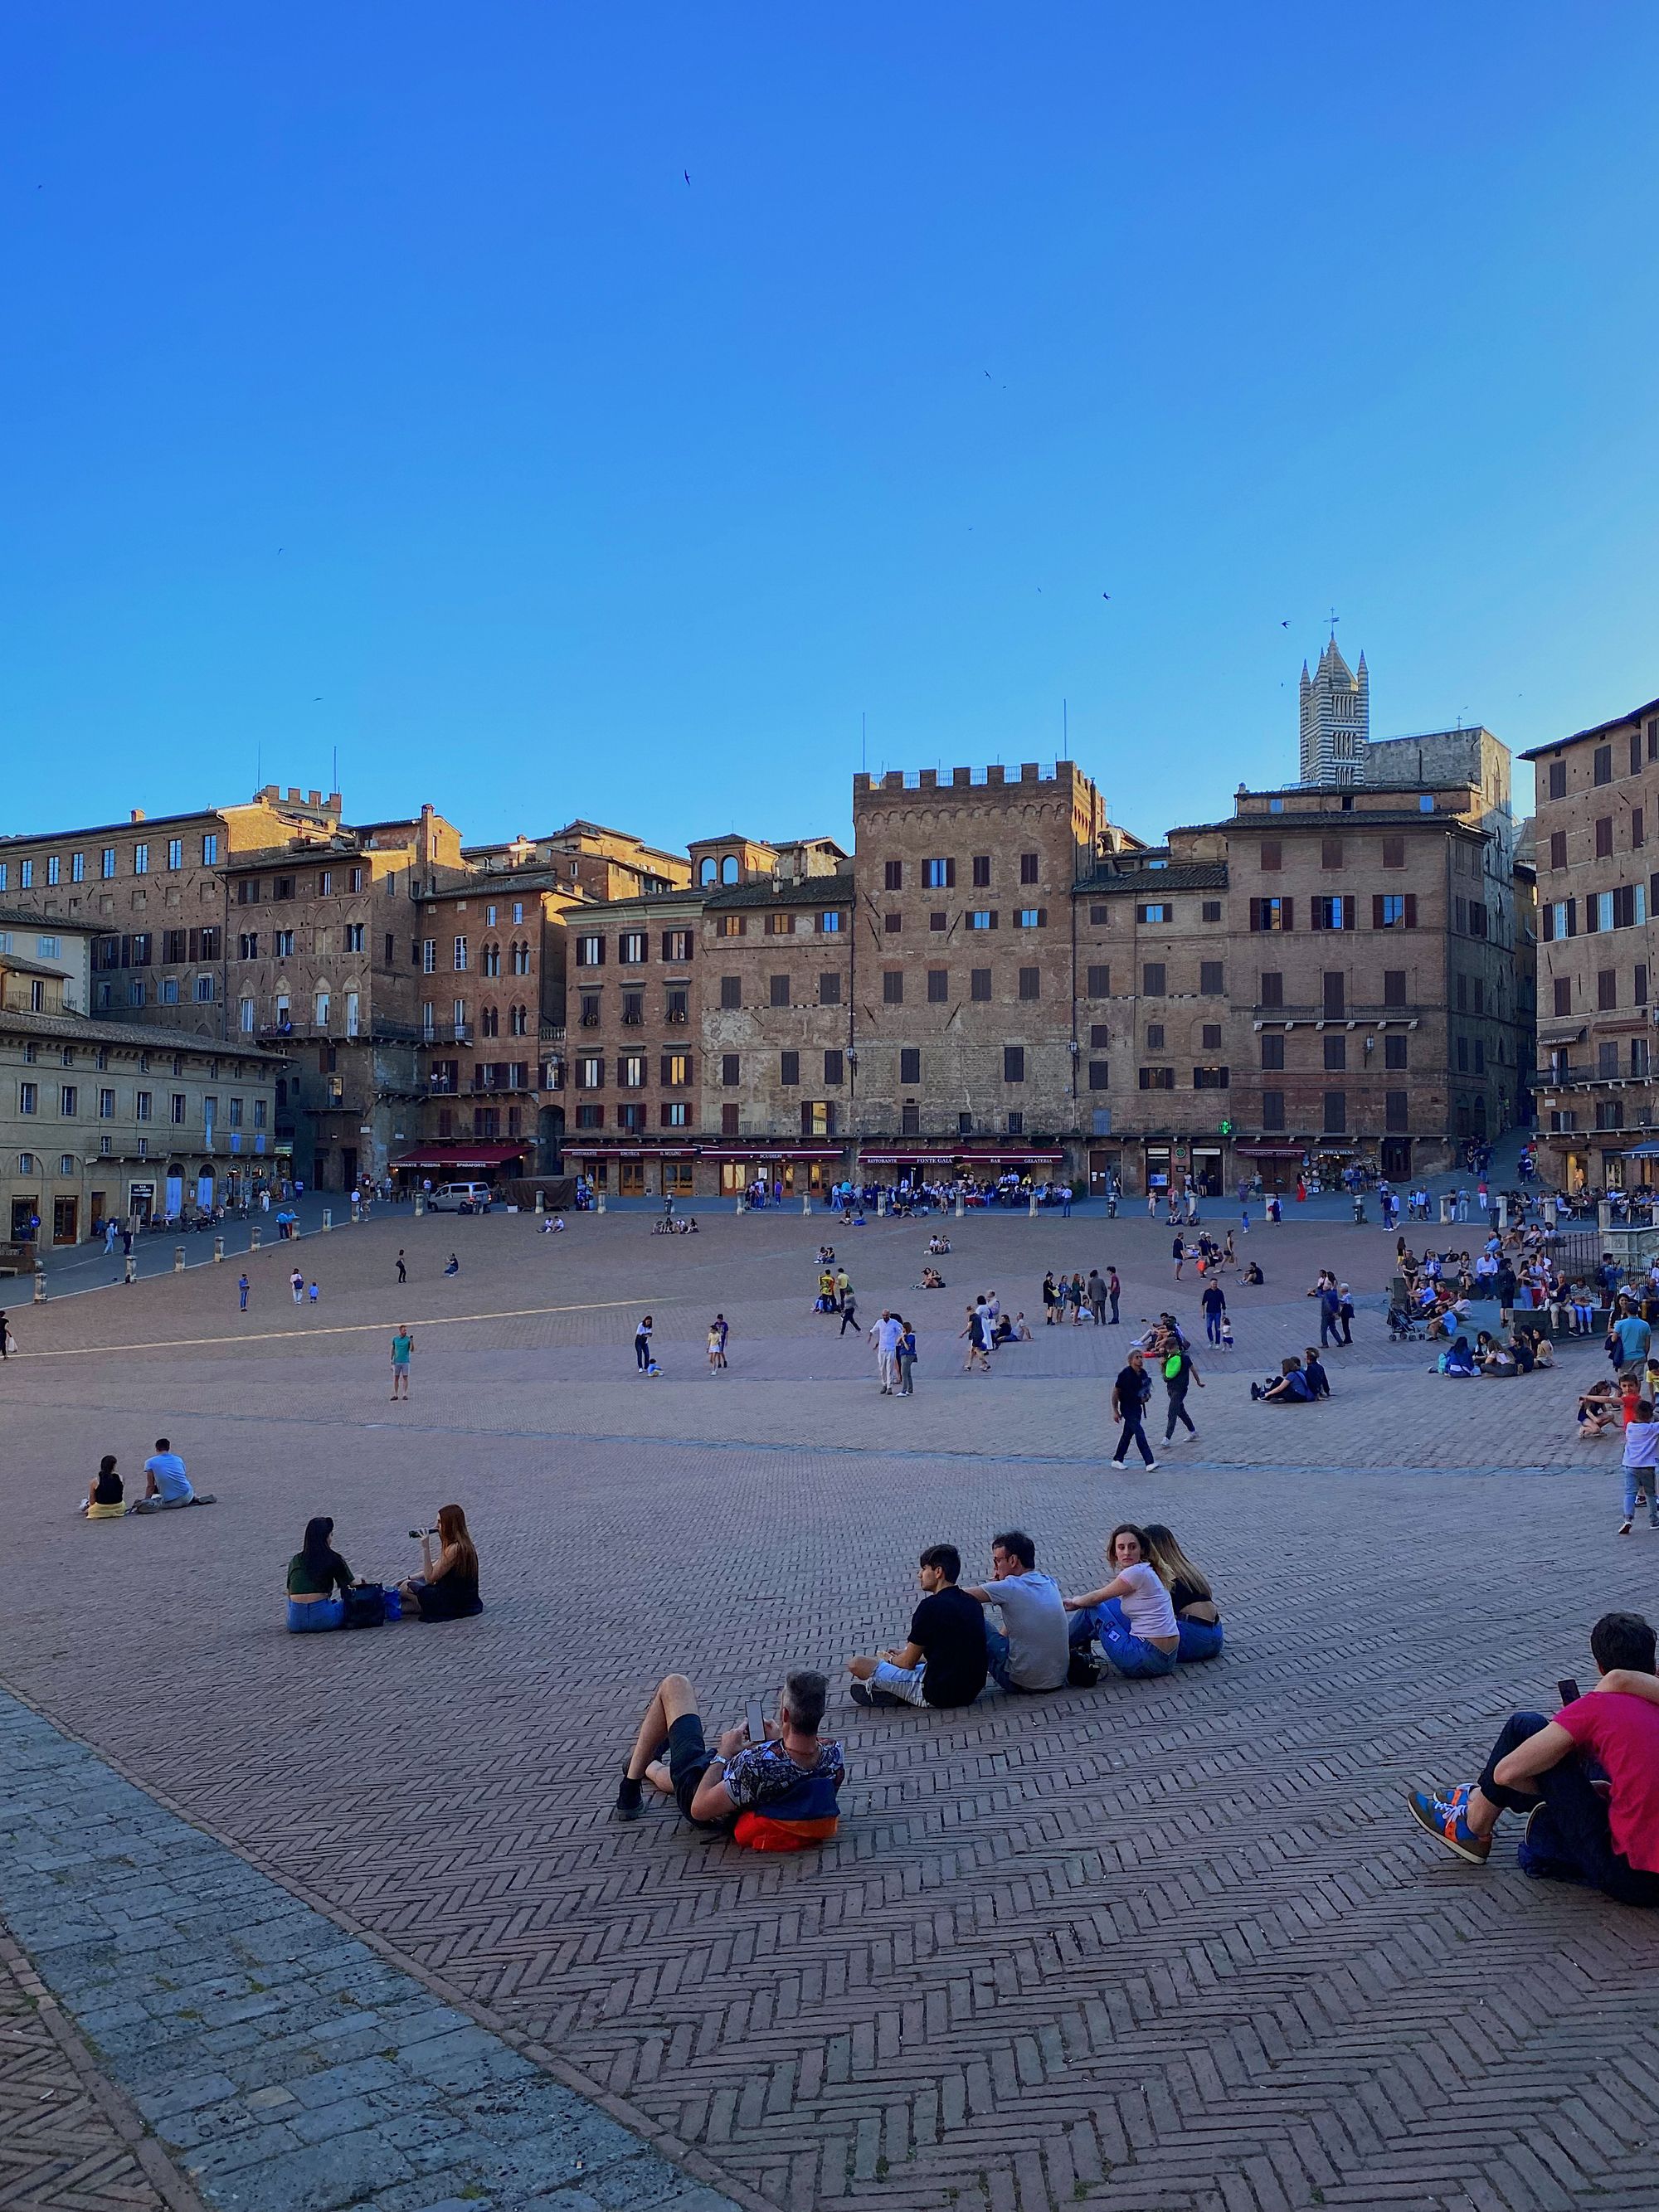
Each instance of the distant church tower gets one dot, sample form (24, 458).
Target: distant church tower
(1336, 719)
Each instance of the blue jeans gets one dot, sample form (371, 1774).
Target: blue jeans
(1132, 1433)
(321, 1612)
(1199, 1639)
(1642, 1478)
(1131, 1655)
(1212, 1325)
(996, 1662)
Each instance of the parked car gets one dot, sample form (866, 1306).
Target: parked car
(460, 1197)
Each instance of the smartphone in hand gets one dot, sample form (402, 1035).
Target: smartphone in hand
(1567, 1690)
(754, 1719)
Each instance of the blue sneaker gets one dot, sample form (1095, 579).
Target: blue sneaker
(1444, 1816)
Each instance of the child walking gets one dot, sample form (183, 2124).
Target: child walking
(1640, 1460)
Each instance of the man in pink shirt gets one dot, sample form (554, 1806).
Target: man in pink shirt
(1595, 1823)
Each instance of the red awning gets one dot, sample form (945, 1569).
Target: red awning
(1026, 1159)
(460, 1154)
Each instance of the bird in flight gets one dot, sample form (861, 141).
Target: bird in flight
(1105, 595)
(686, 173)
(1283, 625)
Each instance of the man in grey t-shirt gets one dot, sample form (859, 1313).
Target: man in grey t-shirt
(1030, 1651)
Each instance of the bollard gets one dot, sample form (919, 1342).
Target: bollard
(881, 1204)
(254, 1237)
(177, 1259)
(328, 1218)
(1503, 1210)
(218, 1249)
(737, 1208)
(420, 1204)
(356, 1209)
(598, 1203)
(541, 1201)
(959, 1205)
(1604, 1214)
(39, 1284)
(1031, 1207)
(1445, 1208)
(133, 1267)
(806, 1201)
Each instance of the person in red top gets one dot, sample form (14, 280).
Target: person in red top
(1578, 1829)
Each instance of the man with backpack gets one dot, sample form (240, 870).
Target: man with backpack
(1178, 1372)
(1130, 1393)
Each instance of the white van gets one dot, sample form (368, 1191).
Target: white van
(460, 1197)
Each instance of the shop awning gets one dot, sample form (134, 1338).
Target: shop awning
(1269, 1152)
(461, 1154)
(1649, 1151)
(629, 1151)
(767, 1152)
(1020, 1159)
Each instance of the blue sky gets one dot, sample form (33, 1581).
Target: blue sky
(372, 380)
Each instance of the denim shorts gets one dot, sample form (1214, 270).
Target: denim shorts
(904, 1682)
(689, 1760)
(303, 1618)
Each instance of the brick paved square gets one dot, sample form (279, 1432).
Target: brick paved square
(1170, 1944)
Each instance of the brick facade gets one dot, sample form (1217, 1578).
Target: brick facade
(1597, 884)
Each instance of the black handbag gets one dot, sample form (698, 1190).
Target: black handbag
(365, 1606)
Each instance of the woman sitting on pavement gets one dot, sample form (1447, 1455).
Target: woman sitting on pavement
(931, 1279)
(1491, 1356)
(1290, 1389)
(447, 1587)
(1198, 1621)
(314, 1573)
(1457, 1360)
(1131, 1615)
(1599, 1409)
(105, 1498)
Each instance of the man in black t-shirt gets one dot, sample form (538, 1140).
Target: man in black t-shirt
(944, 1662)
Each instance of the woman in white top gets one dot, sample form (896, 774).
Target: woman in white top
(1131, 1616)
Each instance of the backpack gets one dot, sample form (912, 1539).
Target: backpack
(804, 1815)
(365, 1606)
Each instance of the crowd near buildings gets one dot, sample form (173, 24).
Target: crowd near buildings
(996, 978)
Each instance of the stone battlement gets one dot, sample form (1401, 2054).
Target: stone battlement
(963, 778)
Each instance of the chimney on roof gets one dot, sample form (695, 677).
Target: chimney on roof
(137, 813)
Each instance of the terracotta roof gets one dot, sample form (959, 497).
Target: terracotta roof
(801, 890)
(50, 924)
(1599, 730)
(1382, 817)
(1152, 883)
(137, 1037)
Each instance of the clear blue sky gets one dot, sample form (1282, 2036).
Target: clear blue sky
(373, 379)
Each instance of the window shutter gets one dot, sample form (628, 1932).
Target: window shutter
(1287, 912)
(1347, 911)
(1042, 917)
(1255, 913)
(1411, 910)
(1376, 910)
(664, 1068)
(950, 875)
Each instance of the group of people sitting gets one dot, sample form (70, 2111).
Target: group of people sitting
(321, 1587)
(167, 1486)
(773, 1784)
(1523, 1350)
(1298, 1382)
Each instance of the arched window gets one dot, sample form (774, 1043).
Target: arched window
(706, 873)
(492, 960)
(729, 869)
(490, 1022)
(520, 1022)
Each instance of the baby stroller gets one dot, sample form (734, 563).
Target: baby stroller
(1403, 1327)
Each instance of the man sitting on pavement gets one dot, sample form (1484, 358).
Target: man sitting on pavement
(1032, 1650)
(1575, 1832)
(777, 1795)
(944, 1662)
(166, 1483)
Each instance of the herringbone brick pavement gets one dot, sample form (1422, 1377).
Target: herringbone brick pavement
(1168, 1944)
(68, 2143)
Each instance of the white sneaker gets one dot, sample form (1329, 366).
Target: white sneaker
(1151, 1466)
